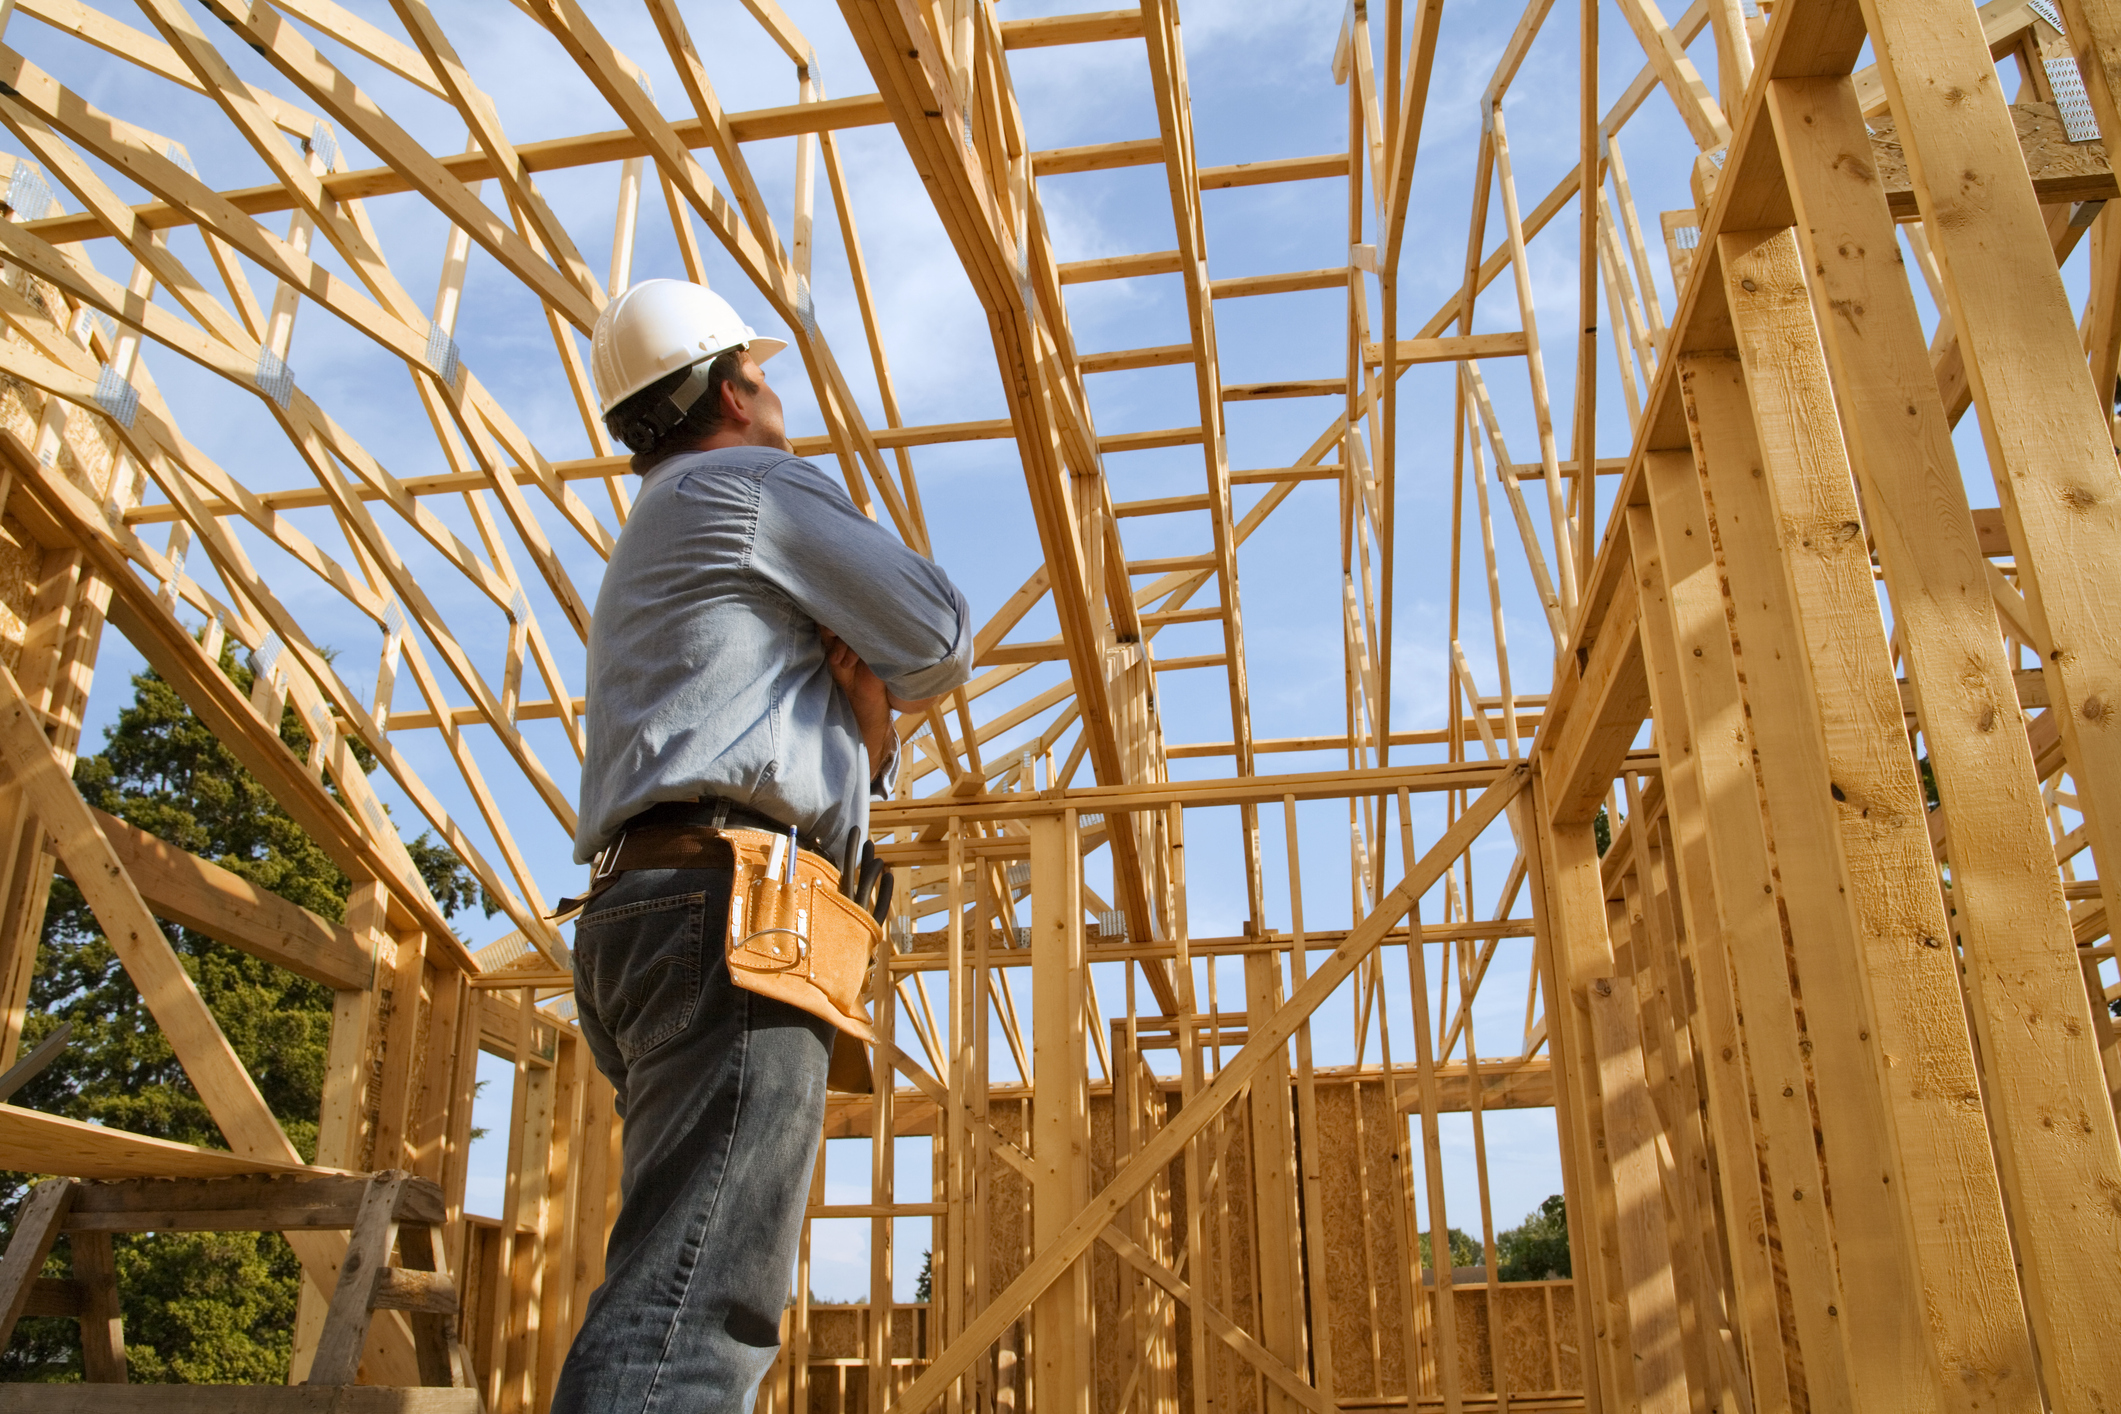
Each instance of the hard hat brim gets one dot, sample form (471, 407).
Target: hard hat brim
(763, 348)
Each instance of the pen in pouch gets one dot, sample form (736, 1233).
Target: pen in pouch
(769, 916)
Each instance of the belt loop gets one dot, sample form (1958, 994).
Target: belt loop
(721, 813)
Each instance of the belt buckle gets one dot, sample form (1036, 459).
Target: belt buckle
(606, 863)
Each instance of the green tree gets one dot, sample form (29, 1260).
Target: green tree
(1537, 1249)
(198, 1307)
(1465, 1251)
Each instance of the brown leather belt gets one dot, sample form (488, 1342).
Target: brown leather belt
(791, 934)
(675, 834)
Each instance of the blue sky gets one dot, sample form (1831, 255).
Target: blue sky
(1261, 87)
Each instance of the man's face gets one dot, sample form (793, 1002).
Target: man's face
(768, 426)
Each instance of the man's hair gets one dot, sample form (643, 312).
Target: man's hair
(641, 421)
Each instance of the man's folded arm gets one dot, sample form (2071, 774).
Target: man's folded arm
(894, 607)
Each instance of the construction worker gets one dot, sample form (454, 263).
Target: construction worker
(753, 635)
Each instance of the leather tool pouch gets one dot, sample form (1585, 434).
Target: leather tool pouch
(807, 945)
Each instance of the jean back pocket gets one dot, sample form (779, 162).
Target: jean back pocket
(645, 966)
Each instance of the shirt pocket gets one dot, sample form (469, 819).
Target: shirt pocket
(646, 967)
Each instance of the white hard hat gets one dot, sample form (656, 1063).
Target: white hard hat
(659, 327)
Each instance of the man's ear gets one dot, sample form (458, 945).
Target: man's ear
(734, 409)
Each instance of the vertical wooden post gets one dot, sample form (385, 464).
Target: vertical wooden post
(952, 1277)
(1060, 1117)
(1570, 938)
(1893, 1061)
(1274, 1180)
(1631, 1133)
(558, 1231)
(340, 1108)
(1310, 1137)
(882, 1178)
(102, 1329)
(1709, 789)
(1451, 1378)
(2038, 1048)
(397, 1085)
(2048, 431)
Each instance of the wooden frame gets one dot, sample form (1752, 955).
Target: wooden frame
(1773, 610)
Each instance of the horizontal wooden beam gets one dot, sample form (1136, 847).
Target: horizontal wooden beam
(1276, 475)
(901, 815)
(1283, 169)
(35, 1142)
(1528, 720)
(1536, 471)
(253, 1399)
(1097, 157)
(931, 434)
(1240, 286)
(1508, 343)
(1050, 651)
(1120, 267)
(1170, 564)
(1144, 441)
(1071, 29)
(1161, 506)
(1515, 1083)
(1296, 388)
(263, 1202)
(542, 710)
(1206, 614)
(199, 894)
(1119, 360)
(557, 154)
(1204, 660)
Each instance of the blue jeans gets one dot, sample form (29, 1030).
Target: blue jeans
(723, 1094)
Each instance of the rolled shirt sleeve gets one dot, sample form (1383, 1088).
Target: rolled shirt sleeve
(893, 606)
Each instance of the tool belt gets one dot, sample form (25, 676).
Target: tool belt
(792, 935)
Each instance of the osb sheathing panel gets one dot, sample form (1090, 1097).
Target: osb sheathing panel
(21, 562)
(1109, 1278)
(1123, 1300)
(842, 1332)
(1227, 1229)
(1365, 1274)
(1365, 1271)
(1475, 1372)
(1527, 1362)
(844, 1388)
(1008, 1199)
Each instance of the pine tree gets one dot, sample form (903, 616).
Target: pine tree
(199, 1307)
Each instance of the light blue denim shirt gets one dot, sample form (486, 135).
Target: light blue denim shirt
(706, 676)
